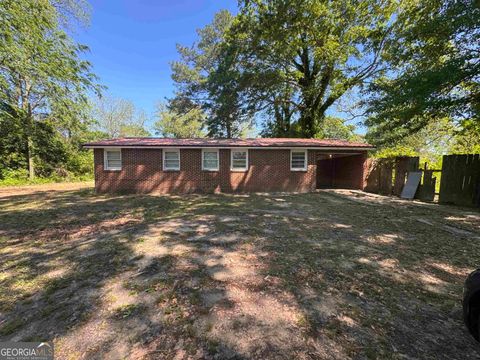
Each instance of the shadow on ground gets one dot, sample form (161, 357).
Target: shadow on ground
(322, 275)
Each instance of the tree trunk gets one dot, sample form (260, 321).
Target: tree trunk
(283, 116)
(229, 129)
(31, 165)
(29, 135)
(307, 120)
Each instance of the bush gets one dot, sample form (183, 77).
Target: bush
(20, 177)
(80, 162)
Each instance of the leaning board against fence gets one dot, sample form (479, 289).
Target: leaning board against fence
(459, 181)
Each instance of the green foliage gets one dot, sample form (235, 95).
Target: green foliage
(55, 155)
(42, 74)
(43, 88)
(20, 177)
(207, 76)
(465, 142)
(434, 70)
(79, 162)
(297, 61)
(171, 123)
(430, 143)
(12, 148)
(335, 128)
(49, 149)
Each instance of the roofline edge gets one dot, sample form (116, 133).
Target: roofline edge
(308, 147)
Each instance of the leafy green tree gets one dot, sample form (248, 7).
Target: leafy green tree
(438, 138)
(51, 151)
(298, 59)
(465, 142)
(207, 75)
(280, 113)
(434, 71)
(173, 123)
(336, 128)
(12, 147)
(42, 76)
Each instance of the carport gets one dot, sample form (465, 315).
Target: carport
(344, 170)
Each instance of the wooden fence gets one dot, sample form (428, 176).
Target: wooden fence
(460, 178)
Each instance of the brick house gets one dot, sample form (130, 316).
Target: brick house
(166, 165)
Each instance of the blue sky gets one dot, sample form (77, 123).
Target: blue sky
(133, 41)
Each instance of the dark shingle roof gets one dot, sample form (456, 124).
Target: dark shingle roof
(218, 143)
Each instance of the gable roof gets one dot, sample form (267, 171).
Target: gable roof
(227, 143)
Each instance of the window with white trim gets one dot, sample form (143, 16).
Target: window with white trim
(171, 159)
(298, 160)
(210, 160)
(239, 160)
(113, 159)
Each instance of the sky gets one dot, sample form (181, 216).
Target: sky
(132, 43)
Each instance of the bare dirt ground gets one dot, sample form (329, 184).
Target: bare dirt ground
(328, 275)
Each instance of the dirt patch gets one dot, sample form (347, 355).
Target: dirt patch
(329, 275)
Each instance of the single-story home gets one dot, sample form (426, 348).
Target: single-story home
(168, 165)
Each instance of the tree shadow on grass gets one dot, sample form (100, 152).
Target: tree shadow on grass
(60, 257)
(257, 276)
(374, 281)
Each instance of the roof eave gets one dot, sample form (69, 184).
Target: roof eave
(278, 147)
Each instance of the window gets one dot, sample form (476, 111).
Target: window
(298, 160)
(113, 159)
(210, 160)
(239, 160)
(171, 159)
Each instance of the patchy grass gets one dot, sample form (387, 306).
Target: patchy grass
(333, 274)
(126, 311)
(10, 326)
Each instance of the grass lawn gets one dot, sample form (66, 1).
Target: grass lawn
(333, 274)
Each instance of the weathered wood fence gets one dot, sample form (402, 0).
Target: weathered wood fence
(460, 178)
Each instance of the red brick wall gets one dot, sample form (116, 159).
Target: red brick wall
(346, 172)
(349, 171)
(269, 170)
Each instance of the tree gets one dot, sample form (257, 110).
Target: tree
(438, 138)
(280, 114)
(207, 75)
(12, 147)
(336, 128)
(297, 61)
(72, 12)
(117, 117)
(434, 72)
(172, 123)
(42, 77)
(465, 142)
